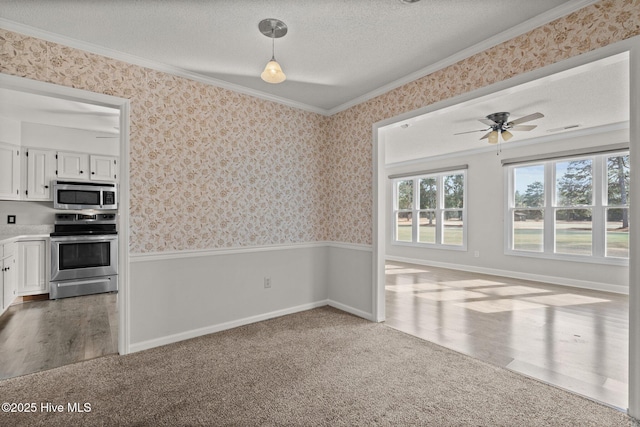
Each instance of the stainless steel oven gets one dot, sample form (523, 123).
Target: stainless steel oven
(84, 255)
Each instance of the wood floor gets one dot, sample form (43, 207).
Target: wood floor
(574, 338)
(40, 335)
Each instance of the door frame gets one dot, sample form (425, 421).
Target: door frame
(37, 87)
(381, 216)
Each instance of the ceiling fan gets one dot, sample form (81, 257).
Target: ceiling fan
(499, 125)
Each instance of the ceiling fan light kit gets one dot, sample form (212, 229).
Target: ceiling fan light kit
(274, 29)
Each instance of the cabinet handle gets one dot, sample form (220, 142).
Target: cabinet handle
(81, 171)
(93, 173)
(46, 186)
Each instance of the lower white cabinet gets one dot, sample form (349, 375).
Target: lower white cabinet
(32, 264)
(8, 291)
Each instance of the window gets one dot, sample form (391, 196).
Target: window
(574, 208)
(430, 209)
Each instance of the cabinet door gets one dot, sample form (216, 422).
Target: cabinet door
(9, 172)
(31, 267)
(73, 165)
(40, 172)
(9, 291)
(103, 168)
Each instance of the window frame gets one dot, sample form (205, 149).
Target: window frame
(439, 210)
(599, 207)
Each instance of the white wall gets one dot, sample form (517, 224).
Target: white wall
(62, 138)
(183, 295)
(28, 212)
(177, 296)
(485, 221)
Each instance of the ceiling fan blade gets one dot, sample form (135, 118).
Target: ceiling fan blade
(487, 135)
(471, 131)
(487, 122)
(523, 127)
(528, 118)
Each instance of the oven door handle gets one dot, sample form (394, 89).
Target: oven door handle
(85, 237)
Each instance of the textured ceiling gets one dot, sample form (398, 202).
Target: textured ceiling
(336, 52)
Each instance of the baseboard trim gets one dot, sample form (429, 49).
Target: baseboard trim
(170, 339)
(351, 310)
(596, 286)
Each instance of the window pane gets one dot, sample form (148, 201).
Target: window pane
(528, 230)
(529, 186)
(574, 231)
(453, 191)
(453, 226)
(618, 180)
(403, 226)
(405, 195)
(427, 230)
(428, 193)
(618, 233)
(574, 183)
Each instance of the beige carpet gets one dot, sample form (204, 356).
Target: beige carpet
(320, 367)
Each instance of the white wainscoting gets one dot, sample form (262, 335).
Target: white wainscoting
(180, 295)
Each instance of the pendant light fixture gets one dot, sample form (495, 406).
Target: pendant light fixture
(273, 28)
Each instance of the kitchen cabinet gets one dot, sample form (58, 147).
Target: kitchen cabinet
(32, 267)
(73, 165)
(103, 168)
(7, 276)
(41, 170)
(9, 172)
(85, 167)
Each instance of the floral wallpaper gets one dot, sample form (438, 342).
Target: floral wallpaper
(212, 168)
(350, 131)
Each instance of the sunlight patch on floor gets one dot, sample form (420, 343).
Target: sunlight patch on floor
(500, 305)
(475, 283)
(564, 299)
(415, 287)
(450, 295)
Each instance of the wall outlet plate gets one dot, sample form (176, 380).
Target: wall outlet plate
(11, 219)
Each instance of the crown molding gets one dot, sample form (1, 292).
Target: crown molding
(542, 19)
(531, 24)
(158, 66)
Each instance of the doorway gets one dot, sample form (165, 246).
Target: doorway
(99, 325)
(382, 189)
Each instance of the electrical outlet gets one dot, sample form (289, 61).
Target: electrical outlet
(267, 282)
(11, 219)
(476, 254)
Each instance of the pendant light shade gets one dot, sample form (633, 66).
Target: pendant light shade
(274, 29)
(273, 73)
(506, 135)
(493, 137)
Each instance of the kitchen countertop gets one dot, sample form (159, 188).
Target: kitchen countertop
(15, 232)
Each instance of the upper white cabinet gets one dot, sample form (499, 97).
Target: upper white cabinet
(26, 173)
(73, 165)
(84, 167)
(9, 172)
(103, 168)
(41, 170)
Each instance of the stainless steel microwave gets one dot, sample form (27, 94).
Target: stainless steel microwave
(85, 195)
